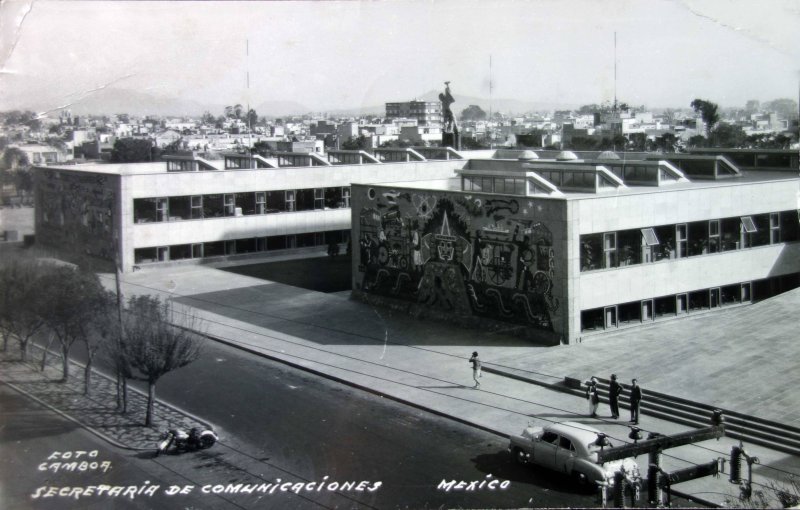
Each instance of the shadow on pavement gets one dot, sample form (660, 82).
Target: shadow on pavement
(501, 465)
(332, 320)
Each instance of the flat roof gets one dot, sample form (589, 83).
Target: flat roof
(747, 177)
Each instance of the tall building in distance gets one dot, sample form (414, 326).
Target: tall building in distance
(426, 113)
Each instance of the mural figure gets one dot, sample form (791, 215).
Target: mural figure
(85, 204)
(441, 255)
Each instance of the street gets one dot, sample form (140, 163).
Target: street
(276, 422)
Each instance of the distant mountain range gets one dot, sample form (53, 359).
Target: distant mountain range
(113, 100)
(505, 106)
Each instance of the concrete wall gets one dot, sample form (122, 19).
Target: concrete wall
(674, 276)
(77, 213)
(682, 204)
(488, 261)
(147, 185)
(232, 181)
(603, 213)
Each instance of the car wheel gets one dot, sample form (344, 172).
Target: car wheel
(519, 456)
(581, 480)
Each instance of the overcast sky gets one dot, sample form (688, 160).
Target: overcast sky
(350, 54)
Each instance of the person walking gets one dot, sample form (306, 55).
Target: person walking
(593, 397)
(614, 389)
(636, 399)
(476, 368)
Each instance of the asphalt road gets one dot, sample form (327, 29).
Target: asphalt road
(33, 437)
(276, 422)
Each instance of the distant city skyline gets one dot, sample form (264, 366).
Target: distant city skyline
(350, 55)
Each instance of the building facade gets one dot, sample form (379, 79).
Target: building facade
(425, 112)
(185, 211)
(566, 248)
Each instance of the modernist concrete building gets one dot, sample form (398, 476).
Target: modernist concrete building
(563, 247)
(189, 209)
(425, 112)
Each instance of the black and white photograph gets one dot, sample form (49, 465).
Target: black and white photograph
(399, 254)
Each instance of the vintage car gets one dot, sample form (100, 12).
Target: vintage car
(570, 448)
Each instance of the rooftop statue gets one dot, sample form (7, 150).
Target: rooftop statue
(449, 119)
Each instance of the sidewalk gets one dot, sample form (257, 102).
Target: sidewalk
(424, 363)
(95, 412)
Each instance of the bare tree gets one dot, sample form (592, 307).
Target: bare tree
(20, 289)
(157, 342)
(71, 303)
(101, 330)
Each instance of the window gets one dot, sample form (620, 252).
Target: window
(304, 200)
(162, 209)
(650, 238)
(681, 304)
(591, 252)
(499, 185)
(748, 225)
(261, 202)
(230, 205)
(647, 310)
(346, 196)
(197, 251)
(289, 200)
(714, 297)
(747, 292)
(276, 201)
(197, 206)
(180, 251)
(713, 236)
(163, 253)
(649, 241)
(610, 250)
(566, 444)
(681, 240)
(774, 228)
(610, 317)
(144, 210)
(319, 198)
(550, 437)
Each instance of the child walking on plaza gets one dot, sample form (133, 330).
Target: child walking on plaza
(476, 368)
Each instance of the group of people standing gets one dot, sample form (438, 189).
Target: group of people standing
(614, 391)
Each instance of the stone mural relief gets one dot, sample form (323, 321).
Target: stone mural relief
(85, 204)
(460, 254)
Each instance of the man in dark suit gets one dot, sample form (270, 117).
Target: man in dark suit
(614, 389)
(636, 398)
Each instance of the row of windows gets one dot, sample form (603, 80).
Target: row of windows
(642, 173)
(644, 245)
(504, 185)
(648, 310)
(238, 246)
(582, 180)
(217, 205)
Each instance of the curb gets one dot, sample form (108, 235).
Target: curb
(415, 405)
(355, 385)
(89, 429)
(137, 390)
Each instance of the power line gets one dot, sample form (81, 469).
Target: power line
(284, 354)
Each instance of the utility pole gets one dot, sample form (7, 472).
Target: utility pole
(657, 479)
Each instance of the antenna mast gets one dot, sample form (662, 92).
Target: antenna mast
(615, 71)
(249, 123)
(488, 128)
